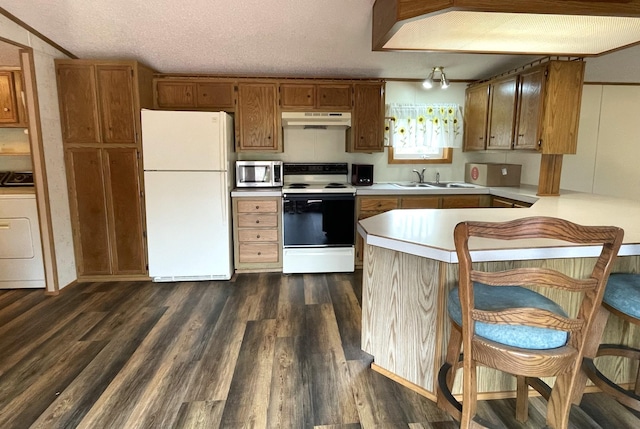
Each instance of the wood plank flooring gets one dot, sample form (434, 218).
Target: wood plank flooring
(263, 351)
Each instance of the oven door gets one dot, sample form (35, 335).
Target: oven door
(318, 220)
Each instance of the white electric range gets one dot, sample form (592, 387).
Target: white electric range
(318, 218)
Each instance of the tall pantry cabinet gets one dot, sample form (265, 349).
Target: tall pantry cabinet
(100, 104)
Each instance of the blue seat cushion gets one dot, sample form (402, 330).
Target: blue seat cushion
(623, 293)
(491, 298)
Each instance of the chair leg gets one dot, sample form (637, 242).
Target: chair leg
(469, 393)
(522, 399)
(452, 358)
(559, 404)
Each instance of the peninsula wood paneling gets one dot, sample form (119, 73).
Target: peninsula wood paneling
(400, 313)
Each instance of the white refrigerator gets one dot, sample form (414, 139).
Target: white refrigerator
(187, 160)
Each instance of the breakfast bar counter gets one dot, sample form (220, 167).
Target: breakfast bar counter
(410, 265)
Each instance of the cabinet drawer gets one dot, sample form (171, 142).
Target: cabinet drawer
(257, 220)
(258, 252)
(257, 235)
(257, 206)
(378, 204)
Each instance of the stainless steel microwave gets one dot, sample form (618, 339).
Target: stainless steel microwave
(253, 174)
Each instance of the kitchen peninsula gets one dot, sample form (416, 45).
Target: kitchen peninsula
(410, 265)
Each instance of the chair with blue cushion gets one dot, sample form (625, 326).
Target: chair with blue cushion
(500, 321)
(622, 298)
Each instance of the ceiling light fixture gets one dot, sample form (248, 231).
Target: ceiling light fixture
(429, 81)
(572, 28)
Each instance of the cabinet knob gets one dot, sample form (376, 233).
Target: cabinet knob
(6, 109)
(481, 138)
(257, 207)
(259, 253)
(258, 221)
(258, 236)
(520, 135)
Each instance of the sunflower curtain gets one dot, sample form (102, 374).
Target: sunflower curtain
(424, 126)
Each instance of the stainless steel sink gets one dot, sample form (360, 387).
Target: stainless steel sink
(413, 185)
(450, 185)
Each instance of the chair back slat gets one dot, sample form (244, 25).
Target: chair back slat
(528, 316)
(544, 277)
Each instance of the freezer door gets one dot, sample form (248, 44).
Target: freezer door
(184, 141)
(188, 225)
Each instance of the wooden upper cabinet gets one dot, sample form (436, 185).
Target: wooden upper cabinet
(78, 103)
(216, 95)
(334, 96)
(367, 121)
(475, 117)
(206, 95)
(175, 94)
(8, 99)
(301, 96)
(258, 118)
(562, 97)
(115, 98)
(502, 113)
(529, 112)
(297, 96)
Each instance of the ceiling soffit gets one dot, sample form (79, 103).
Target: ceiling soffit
(576, 28)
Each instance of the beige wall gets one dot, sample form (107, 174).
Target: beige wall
(44, 55)
(608, 143)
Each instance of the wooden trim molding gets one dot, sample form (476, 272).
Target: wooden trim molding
(446, 159)
(35, 32)
(40, 170)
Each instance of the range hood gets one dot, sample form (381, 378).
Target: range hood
(316, 120)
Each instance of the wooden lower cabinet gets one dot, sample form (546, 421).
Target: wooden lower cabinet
(367, 206)
(257, 233)
(508, 203)
(106, 208)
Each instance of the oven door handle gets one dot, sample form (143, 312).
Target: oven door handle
(313, 201)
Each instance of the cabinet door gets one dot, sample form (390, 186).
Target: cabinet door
(297, 95)
(258, 119)
(475, 117)
(88, 211)
(117, 106)
(336, 97)
(8, 101)
(503, 106)
(78, 103)
(367, 122)
(530, 90)
(124, 202)
(215, 95)
(177, 95)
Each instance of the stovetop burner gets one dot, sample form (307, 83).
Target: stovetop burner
(298, 185)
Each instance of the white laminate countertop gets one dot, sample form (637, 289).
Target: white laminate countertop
(429, 232)
(256, 192)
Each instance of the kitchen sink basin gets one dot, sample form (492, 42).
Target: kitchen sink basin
(433, 185)
(413, 185)
(450, 185)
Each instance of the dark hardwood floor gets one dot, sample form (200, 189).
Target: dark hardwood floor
(264, 351)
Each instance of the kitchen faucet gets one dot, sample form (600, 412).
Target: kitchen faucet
(437, 177)
(420, 175)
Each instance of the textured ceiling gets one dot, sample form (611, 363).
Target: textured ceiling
(330, 38)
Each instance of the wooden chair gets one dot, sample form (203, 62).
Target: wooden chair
(622, 298)
(501, 324)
